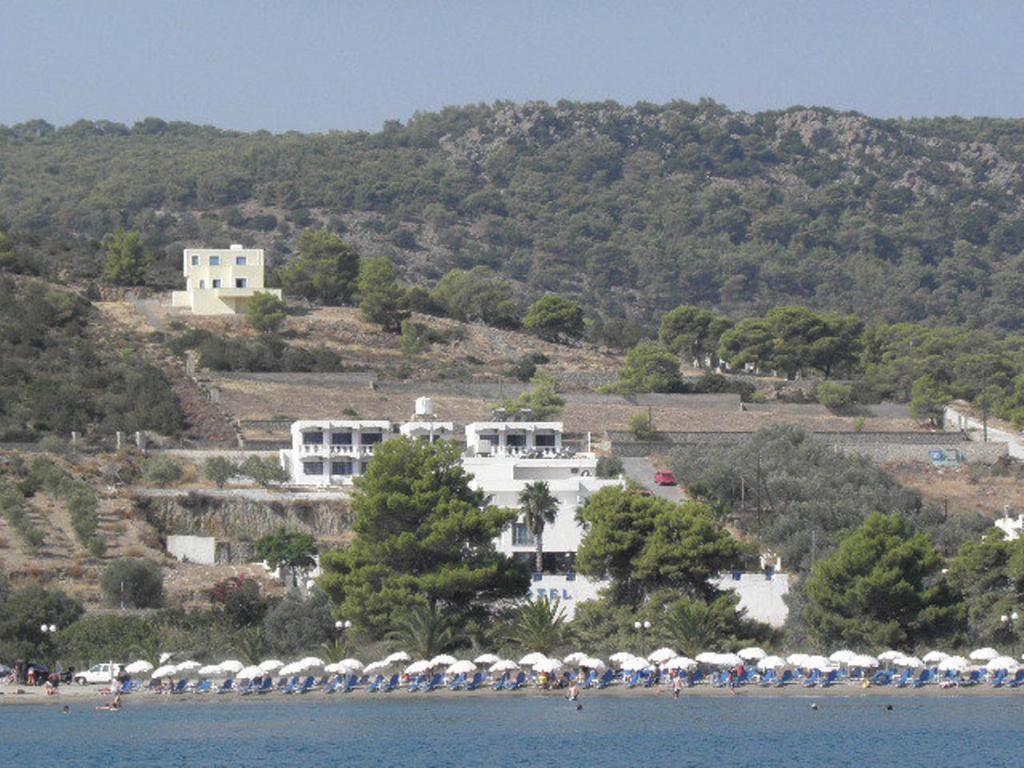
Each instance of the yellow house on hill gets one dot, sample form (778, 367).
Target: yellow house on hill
(220, 281)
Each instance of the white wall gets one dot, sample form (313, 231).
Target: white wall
(759, 596)
(195, 549)
(568, 593)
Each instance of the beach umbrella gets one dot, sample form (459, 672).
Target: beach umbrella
(728, 660)
(634, 664)
(354, 664)
(375, 666)
(139, 667)
(797, 659)
(889, 655)
(575, 658)
(398, 657)
(530, 659)
(270, 665)
(335, 668)
(289, 669)
(819, 663)
(999, 663)
(620, 656)
(707, 657)
(661, 655)
(934, 657)
(487, 658)
(442, 660)
(911, 662)
(954, 663)
(417, 667)
(311, 662)
(187, 666)
(164, 671)
(547, 665)
(592, 663)
(250, 673)
(771, 662)
(679, 662)
(503, 665)
(165, 657)
(232, 666)
(751, 654)
(984, 654)
(842, 657)
(462, 667)
(209, 670)
(863, 661)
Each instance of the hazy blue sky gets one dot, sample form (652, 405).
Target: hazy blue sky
(334, 65)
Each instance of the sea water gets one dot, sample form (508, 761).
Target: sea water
(413, 732)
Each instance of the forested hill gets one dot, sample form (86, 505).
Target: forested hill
(634, 210)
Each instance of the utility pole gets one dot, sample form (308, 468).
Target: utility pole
(814, 547)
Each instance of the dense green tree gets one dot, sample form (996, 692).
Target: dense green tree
(641, 426)
(539, 509)
(542, 399)
(324, 269)
(241, 600)
(538, 626)
(477, 295)
(649, 367)
(555, 317)
(263, 471)
(423, 537)
(95, 638)
(881, 587)
(381, 298)
(219, 470)
(929, 400)
(693, 332)
(22, 615)
(833, 395)
(265, 312)
(990, 575)
(290, 551)
(133, 583)
(750, 343)
(424, 632)
(298, 625)
(125, 262)
(645, 543)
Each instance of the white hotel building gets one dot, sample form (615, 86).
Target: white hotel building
(502, 458)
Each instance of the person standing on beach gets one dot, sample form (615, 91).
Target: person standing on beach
(677, 686)
(574, 691)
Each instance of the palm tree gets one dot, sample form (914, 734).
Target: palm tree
(539, 625)
(423, 632)
(539, 508)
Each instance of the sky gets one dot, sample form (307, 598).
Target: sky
(312, 65)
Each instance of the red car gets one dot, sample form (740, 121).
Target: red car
(664, 478)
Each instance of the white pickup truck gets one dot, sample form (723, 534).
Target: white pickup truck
(98, 673)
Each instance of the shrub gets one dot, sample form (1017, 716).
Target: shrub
(609, 466)
(264, 472)
(140, 583)
(162, 470)
(241, 600)
(294, 626)
(219, 470)
(642, 426)
(265, 312)
(833, 395)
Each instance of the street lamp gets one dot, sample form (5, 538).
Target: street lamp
(641, 627)
(1010, 622)
(48, 628)
(341, 626)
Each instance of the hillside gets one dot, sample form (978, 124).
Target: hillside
(631, 209)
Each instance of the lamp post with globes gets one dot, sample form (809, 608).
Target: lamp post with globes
(1010, 622)
(48, 630)
(641, 627)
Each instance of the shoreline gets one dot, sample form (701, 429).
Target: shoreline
(90, 695)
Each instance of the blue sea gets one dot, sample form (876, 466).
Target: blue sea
(414, 732)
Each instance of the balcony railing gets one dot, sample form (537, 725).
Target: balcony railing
(326, 449)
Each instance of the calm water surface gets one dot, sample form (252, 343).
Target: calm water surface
(536, 731)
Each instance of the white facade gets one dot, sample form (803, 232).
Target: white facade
(761, 594)
(427, 430)
(193, 549)
(1012, 527)
(221, 281)
(326, 452)
(514, 438)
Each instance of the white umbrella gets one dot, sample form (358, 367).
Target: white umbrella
(311, 662)
(592, 663)
(1007, 663)
(503, 665)
(954, 663)
(290, 669)
(187, 666)
(398, 657)
(620, 656)
(442, 660)
(984, 654)
(417, 667)
(635, 664)
(210, 670)
(376, 666)
(889, 655)
(842, 657)
(270, 665)
(752, 654)
(911, 662)
(462, 667)
(530, 659)
(487, 658)
(233, 665)
(934, 657)
(353, 664)
(771, 662)
(797, 659)
(575, 658)
(661, 655)
(728, 660)
(139, 667)
(547, 665)
(164, 671)
(679, 662)
(819, 663)
(250, 673)
(863, 661)
(165, 656)
(707, 657)
(335, 668)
